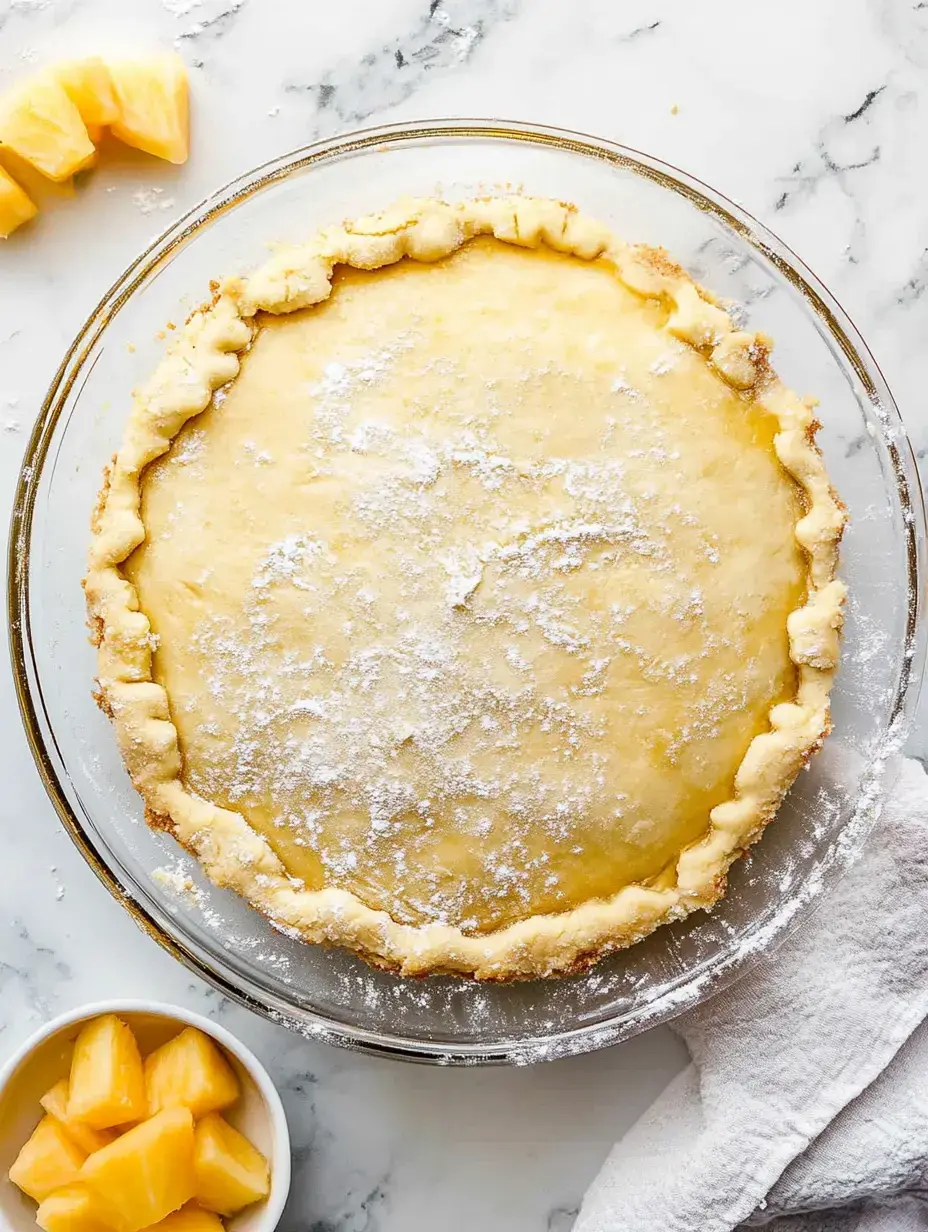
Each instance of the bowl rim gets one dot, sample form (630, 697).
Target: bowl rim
(708, 200)
(280, 1161)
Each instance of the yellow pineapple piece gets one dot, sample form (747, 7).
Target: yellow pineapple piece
(48, 1161)
(230, 1173)
(153, 106)
(88, 85)
(55, 1103)
(107, 1082)
(189, 1072)
(73, 1209)
(33, 182)
(40, 124)
(16, 207)
(191, 1218)
(147, 1172)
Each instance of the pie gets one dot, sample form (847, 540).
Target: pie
(464, 589)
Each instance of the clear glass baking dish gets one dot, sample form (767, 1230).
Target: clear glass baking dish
(331, 995)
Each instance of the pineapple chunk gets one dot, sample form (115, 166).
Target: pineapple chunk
(189, 1072)
(230, 1173)
(55, 1103)
(48, 1161)
(153, 107)
(88, 85)
(73, 1209)
(147, 1173)
(191, 1218)
(15, 206)
(107, 1082)
(40, 123)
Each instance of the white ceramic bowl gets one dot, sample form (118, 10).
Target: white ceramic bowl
(46, 1057)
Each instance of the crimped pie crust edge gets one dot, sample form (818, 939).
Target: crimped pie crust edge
(204, 355)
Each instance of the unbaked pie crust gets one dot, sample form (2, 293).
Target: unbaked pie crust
(464, 589)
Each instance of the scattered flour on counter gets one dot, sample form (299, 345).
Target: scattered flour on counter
(148, 200)
(10, 422)
(59, 887)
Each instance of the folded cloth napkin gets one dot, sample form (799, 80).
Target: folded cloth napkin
(806, 1106)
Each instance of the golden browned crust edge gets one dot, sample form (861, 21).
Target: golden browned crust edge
(204, 355)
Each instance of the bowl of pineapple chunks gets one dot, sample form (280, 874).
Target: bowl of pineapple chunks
(127, 1116)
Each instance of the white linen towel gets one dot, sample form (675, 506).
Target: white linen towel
(807, 1100)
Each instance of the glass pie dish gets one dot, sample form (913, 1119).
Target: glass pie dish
(331, 994)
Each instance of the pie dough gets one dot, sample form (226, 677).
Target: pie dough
(464, 589)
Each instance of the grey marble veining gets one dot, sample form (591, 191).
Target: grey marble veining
(812, 116)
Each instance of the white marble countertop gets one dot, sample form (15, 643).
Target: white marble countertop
(811, 115)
